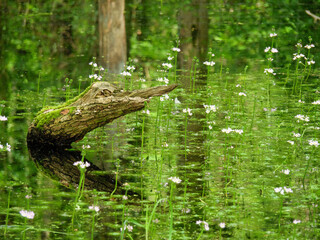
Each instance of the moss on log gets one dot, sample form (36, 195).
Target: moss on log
(98, 105)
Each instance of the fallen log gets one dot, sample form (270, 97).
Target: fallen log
(98, 105)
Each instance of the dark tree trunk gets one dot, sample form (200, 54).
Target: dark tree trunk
(100, 104)
(193, 33)
(112, 35)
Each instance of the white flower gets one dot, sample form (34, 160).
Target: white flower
(8, 146)
(209, 63)
(128, 227)
(78, 111)
(313, 143)
(124, 73)
(273, 35)
(242, 94)
(124, 197)
(3, 118)
(222, 225)
(165, 80)
(95, 208)
(316, 102)
(210, 108)
(81, 164)
(90, 63)
(269, 70)
(311, 62)
(205, 224)
(239, 131)
(286, 171)
(291, 142)
(146, 111)
(27, 214)
(187, 111)
(238, 85)
(28, 196)
(296, 221)
(296, 134)
(95, 65)
(300, 101)
(86, 146)
(309, 46)
(297, 56)
(299, 45)
(274, 50)
(270, 59)
(267, 49)
(167, 65)
(1, 146)
(129, 68)
(175, 179)
(175, 49)
(227, 130)
(283, 190)
(302, 118)
(170, 58)
(101, 69)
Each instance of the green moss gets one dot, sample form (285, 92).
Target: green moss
(47, 114)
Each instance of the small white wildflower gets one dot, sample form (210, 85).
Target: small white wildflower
(95, 65)
(3, 118)
(273, 35)
(291, 142)
(313, 143)
(238, 85)
(300, 101)
(270, 59)
(296, 221)
(239, 131)
(298, 56)
(274, 50)
(287, 190)
(78, 111)
(131, 68)
(90, 63)
(297, 135)
(309, 46)
(1, 146)
(242, 94)
(267, 49)
(86, 146)
(210, 108)
(227, 130)
(286, 171)
(222, 225)
(209, 63)
(187, 110)
(175, 49)
(170, 58)
(299, 45)
(28, 196)
(269, 71)
(124, 73)
(95, 208)
(175, 179)
(316, 102)
(167, 65)
(101, 69)
(205, 224)
(302, 118)
(8, 147)
(130, 228)
(311, 62)
(27, 214)
(124, 197)
(146, 111)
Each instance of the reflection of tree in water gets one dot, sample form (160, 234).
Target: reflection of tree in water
(57, 163)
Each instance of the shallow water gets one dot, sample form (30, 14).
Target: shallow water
(228, 176)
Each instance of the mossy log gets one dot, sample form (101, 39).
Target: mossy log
(98, 105)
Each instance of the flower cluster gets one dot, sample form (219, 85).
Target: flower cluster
(164, 97)
(175, 180)
(298, 56)
(128, 227)
(302, 118)
(282, 190)
(297, 135)
(316, 102)
(3, 118)
(286, 171)
(94, 208)
(187, 110)
(27, 214)
(272, 50)
(313, 143)
(167, 65)
(242, 94)
(229, 130)
(222, 225)
(210, 108)
(164, 79)
(175, 49)
(8, 147)
(291, 142)
(269, 71)
(205, 224)
(209, 63)
(95, 76)
(81, 164)
(125, 73)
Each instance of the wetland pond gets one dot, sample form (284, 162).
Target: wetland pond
(234, 156)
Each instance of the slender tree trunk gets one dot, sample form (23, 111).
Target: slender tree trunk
(193, 34)
(112, 35)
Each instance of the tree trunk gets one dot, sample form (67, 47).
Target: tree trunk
(98, 105)
(112, 35)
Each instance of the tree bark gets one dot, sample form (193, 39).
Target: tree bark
(112, 35)
(98, 105)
